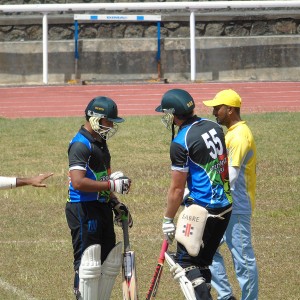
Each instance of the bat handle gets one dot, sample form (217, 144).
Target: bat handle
(164, 248)
(125, 234)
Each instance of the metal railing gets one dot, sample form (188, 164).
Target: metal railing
(191, 7)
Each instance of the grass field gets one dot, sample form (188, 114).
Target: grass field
(35, 245)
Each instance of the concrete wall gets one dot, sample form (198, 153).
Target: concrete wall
(256, 45)
(218, 59)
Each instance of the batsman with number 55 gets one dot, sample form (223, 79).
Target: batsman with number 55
(199, 160)
(92, 203)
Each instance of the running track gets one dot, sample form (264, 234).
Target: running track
(141, 99)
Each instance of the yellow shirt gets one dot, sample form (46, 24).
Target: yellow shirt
(241, 150)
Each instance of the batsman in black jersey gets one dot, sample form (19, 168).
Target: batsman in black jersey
(199, 163)
(92, 202)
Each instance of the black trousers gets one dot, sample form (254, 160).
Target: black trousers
(213, 233)
(90, 223)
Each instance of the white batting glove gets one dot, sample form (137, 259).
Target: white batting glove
(168, 228)
(116, 175)
(121, 185)
(117, 186)
(185, 197)
(186, 194)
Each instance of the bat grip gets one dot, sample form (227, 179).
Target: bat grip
(164, 248)
(125, 234)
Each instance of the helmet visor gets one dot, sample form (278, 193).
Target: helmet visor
(168, 118)
(105, 132)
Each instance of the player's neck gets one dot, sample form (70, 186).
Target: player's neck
(234, 121)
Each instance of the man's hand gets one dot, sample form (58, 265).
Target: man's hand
(186, 194)
(121, 212)
(119, 183)
(116, 175)
(36, 181)
(120, 186)
(168, 228)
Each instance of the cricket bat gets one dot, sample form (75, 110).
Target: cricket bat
(158, 271)
(129, 285)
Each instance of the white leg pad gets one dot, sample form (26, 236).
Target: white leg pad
(179, 275)
(90, 273)
(190, 228)
(110, 270)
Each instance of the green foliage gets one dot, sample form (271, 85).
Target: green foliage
(36, 252)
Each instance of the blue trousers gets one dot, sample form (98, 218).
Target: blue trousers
(238, 239)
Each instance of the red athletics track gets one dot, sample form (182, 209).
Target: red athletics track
(141, 99)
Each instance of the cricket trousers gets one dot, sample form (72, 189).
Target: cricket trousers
(90, 223)
(212, 235)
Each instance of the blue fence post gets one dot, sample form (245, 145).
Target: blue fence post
(158, 52)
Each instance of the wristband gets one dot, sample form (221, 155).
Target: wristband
(167, 220)
(109, 184)
(8, 182)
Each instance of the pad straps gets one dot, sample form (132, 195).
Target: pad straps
(220, 216)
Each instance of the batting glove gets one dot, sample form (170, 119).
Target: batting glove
(168, 228)
(121, 185)
(186, 195)
(121, 212)
(116, 175)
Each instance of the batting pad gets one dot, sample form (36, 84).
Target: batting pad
(179, 275)
(110, 270)
(190, 228)
(89, 273)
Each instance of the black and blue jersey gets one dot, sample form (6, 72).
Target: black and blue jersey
(199, 149)
(88, 154)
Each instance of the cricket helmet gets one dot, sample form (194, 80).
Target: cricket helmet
(99, 108)
(103, 107)
(177, 102)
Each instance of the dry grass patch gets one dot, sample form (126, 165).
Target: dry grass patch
(36, 252)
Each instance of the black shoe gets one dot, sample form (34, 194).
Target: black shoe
(232, 298)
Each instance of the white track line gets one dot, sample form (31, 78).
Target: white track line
(35, 242)
(12, 289)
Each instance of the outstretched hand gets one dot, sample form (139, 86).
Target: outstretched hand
(36, 181)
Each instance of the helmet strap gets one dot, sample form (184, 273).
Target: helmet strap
(173, 131)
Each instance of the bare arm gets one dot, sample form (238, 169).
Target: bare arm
(82, 183)
(13, 182)
(175, 193)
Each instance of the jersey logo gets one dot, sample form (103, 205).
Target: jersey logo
(92, 226)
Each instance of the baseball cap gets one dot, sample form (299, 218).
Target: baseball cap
(225, 97)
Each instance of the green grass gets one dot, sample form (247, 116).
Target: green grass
(36, 252)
